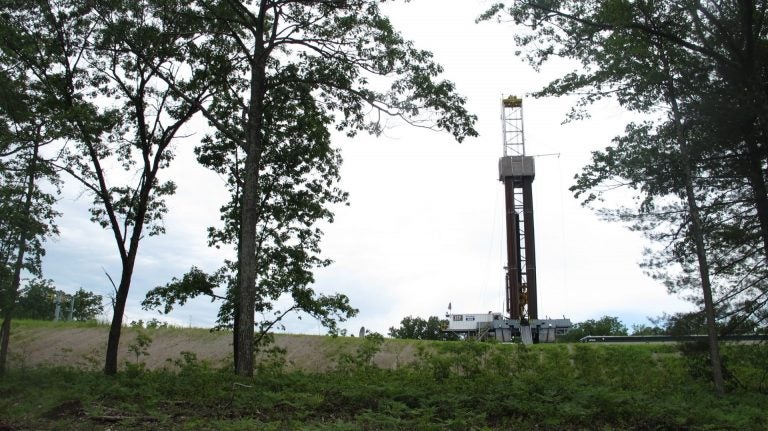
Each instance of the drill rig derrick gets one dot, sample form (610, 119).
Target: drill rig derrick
(517, 171)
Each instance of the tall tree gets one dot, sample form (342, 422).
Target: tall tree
(26, 207)
(115, 109)
(338, 52)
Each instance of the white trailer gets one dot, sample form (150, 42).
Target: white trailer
(496, 326)
(471, 322)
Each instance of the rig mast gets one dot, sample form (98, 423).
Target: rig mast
(516, 171)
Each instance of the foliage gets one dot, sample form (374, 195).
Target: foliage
(369, 346)
(647, 330)
(110, 109)
(606, 325)
(284, 74)
(37, 300)
(140, 345)
(328, 309)
(548, 387)
(416, 328)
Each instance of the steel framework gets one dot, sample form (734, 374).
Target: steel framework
(517, 171)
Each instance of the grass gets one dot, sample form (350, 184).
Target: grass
(451, 385)
(49, 324)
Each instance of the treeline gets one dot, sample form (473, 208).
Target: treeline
(683, 323)
(40, 300)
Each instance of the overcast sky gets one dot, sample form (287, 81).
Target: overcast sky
(425, 221)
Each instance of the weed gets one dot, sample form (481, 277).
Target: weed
(93, 360)
(364, 354)
(463, 386)
(140, 348)
(271, 360)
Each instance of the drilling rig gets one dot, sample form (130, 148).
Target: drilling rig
(516, 172)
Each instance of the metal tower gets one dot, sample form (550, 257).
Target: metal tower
(516, 171)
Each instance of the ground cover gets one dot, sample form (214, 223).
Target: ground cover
(445, 385)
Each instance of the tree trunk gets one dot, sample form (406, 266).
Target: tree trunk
(129, 262)
(247, 269)
(249, 217)
(13, 289)
(235, 331)
(709, 307)
(115, 329)
(696, 230)
(757, 183)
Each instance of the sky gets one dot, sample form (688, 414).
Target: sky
(424, 227)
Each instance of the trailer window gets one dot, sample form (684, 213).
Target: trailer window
(470, 318)
(458, 317)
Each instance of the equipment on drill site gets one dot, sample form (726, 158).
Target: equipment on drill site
(516, 172)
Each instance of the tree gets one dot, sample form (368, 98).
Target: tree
(112, 107)
(26, 209)
(334, 52)
(37, 301)
(416, 328)
(87, 305)
(604, 326)
(647, 330)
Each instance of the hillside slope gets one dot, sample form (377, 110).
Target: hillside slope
(41, 343)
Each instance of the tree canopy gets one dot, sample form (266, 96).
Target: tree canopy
(417, 328)
(606, 325)
(38, 300)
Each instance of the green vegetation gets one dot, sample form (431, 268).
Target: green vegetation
(37, 300)
(606, 325)
(451, 385)
(416, 328)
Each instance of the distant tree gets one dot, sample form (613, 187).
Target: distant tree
(37, 300)
(694, 323)
(647, 330)
(88, 305)
(606, 325)
(416, 328)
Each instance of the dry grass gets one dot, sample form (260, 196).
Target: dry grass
(84, 347)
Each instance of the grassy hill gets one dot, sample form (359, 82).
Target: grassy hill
(82, 345)
(324, 383)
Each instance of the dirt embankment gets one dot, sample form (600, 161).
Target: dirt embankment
(85, 347)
